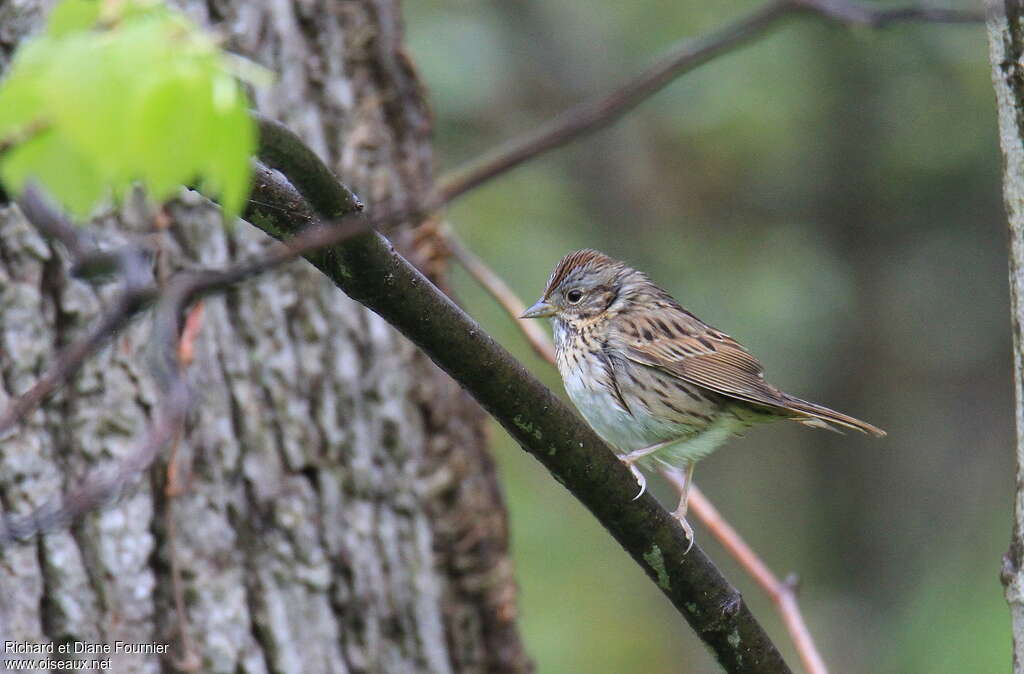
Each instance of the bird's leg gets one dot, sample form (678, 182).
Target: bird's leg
(686, 478)
(637, 454)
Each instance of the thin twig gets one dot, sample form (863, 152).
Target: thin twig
(783, 594)
(189, 334)
(87, 260)
(105, 487)
(601, 111)
(879, 17)
(136, 294)
(52, 224)
(190, 660)
(598, 112)
(178, 341)
(70, 359)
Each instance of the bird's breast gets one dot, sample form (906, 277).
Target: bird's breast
(589, 379)
(629, 405)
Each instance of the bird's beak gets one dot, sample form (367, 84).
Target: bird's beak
(541, 309)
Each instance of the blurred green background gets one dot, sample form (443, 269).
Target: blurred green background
(831, 198)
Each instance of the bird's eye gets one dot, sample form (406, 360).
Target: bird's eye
(574, 295)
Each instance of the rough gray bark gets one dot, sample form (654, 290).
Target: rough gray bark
(1006, 47)
(337, 510)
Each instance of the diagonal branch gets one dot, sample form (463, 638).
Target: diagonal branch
(280, 148)
(135, 295)
(855, 13)
(69, 360)
(601, 111)
(99, 489)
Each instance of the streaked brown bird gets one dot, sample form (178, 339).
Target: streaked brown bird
(657, 383)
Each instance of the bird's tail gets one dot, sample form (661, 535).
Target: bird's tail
(819, 416)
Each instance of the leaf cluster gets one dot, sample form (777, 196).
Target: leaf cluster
(119, 92)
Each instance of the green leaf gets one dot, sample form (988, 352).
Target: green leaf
(128, 93)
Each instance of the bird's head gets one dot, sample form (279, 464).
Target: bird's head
(585, 285)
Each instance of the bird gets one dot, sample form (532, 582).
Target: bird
(661, 386)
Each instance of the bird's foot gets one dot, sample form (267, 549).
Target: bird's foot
(631, 459)
(640, 479)
(687, 529)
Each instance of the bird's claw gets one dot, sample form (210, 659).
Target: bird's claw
(640, 480)
(688, 530)
(639, 477)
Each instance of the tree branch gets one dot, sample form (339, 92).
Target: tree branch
(855, 13)
(279, 148)
(687, 55)
(600, 111)
(136, 294)
(70, 359)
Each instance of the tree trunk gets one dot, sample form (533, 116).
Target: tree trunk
(1006, 47)
(335, 508)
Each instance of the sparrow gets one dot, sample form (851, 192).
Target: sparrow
(662, 387)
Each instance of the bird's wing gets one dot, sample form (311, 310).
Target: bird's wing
(673, 340)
